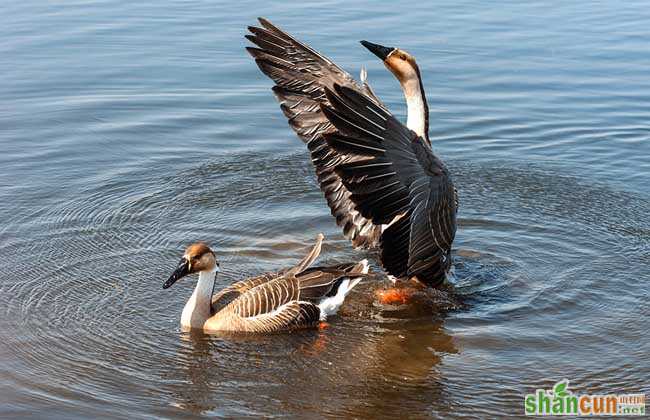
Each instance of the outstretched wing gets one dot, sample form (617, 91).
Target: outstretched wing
(397, 180)
(301, 76)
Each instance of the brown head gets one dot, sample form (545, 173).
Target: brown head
(197, 257)
(399, 62)
(403, 66)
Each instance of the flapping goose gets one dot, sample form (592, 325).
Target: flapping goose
(381, 180)
(293, 298)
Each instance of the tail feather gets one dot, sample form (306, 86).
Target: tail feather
(331, 304)
(361, 268)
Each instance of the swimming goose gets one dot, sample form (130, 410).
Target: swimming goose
(298, 297)
(381, 180)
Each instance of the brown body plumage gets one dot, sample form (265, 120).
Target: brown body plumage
(291, 298)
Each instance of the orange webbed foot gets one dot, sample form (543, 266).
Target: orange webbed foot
(395, 296)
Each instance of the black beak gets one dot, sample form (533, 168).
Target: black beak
(182, 270)
(378, 50)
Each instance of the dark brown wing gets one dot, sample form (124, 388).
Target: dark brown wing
(317, 283)
(301, 75)
(397, 179)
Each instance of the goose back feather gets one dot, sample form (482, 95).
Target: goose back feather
(284, 300)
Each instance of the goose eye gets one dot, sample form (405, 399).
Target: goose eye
(403, 57)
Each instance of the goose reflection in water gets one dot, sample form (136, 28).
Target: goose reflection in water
(397, 359)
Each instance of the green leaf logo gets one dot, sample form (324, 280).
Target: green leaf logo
(560, 389)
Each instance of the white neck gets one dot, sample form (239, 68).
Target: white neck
(417, 108)
(198, 308)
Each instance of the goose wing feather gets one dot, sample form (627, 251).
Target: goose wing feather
(266, 298)
(271, 306)
(308, 259)
(291, 315)
(317, 283)
(398, 181)
(287, 301)
(225, 296)
(301, 75)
